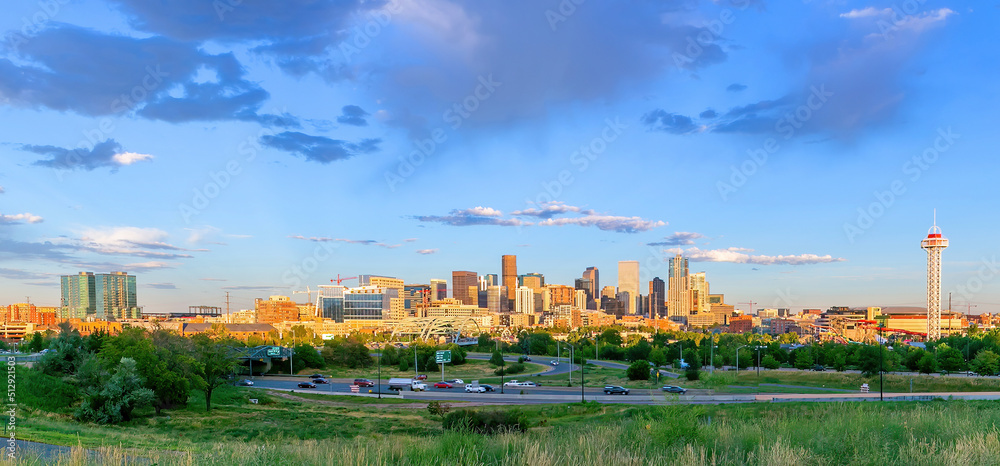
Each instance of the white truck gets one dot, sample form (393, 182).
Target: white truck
(401, 384)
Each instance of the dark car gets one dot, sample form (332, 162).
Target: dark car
(442, 385)
(674, 389)
(488, 388)
(307, 385)
(615, 390)
(316, 376)
(320, 380)
(364, 383)
(526, 358)
(819, 367)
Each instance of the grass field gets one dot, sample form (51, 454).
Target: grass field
(721, 381)
(293, 433)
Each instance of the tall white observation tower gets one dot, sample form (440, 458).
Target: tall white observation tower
(934, 243)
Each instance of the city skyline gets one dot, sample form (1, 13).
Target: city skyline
(259, 157)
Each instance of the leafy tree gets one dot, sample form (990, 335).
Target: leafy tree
(120, 396)
(658, 357)
(770, 363)
(913, 357)
(404, 364)
(163, 360)
(390, 357)
(639, 351)
(928, 364)
(803, 358)
(66, 355)
(457, 354)
(496, 359)
(37, 342)
(986, 363)
(215, 363)
(611, 337)
(950, 359)
(692, 358)
(305, 356)
(840, 361)
(638, 370)
(346, 352)
(868, 360)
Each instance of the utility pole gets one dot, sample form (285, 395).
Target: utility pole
(227, 303)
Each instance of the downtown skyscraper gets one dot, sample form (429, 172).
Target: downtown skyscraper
(628, 282)
(508, 273)
(678, 298)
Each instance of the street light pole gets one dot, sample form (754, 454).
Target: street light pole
(738, 348)
(379, 348)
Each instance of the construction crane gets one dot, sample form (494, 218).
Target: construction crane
(338, 279)
(308, 292)
(751, 304)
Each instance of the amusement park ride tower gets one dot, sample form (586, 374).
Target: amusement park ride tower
(934, 243)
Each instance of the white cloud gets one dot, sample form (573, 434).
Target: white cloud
(20, 218)
(2, 190)
(426, 251)
(741, 256)
(480, 211)
(128, 158)
(607, 223)
(864, 12)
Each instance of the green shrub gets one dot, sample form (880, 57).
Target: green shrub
(436, 408)
(692, 374)
(638, 370)
(486, 422)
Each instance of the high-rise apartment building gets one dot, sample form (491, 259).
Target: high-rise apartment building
(699, 293)
(609, 292)
(439, 289)
(628, 282)
(102, 296)
(493, 298)
(79, 296)
(116, 297)
(524, 300)
(535, 281)
(415, 296)
(580, 299)
(465, 287)
(508, 271)
(595, 282)
(657, 297)
(678, 298)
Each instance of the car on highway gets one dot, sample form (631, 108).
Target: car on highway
(307, 385)
(442, 385)
(421, 377)
(819, 368)
(320, 380)
(615, 390)
(515, 383)
(526, 358)
(364, 383)
(316, 376)
(456, 381)
(245, 383)
(489, 388)
(475, 389)
(554, 363)
(674, 389)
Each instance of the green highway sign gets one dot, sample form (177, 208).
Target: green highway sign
(442, 357)
(274, 351)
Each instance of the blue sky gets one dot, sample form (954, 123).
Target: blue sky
(795, 151)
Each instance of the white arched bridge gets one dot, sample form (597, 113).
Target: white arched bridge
(455, 329)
